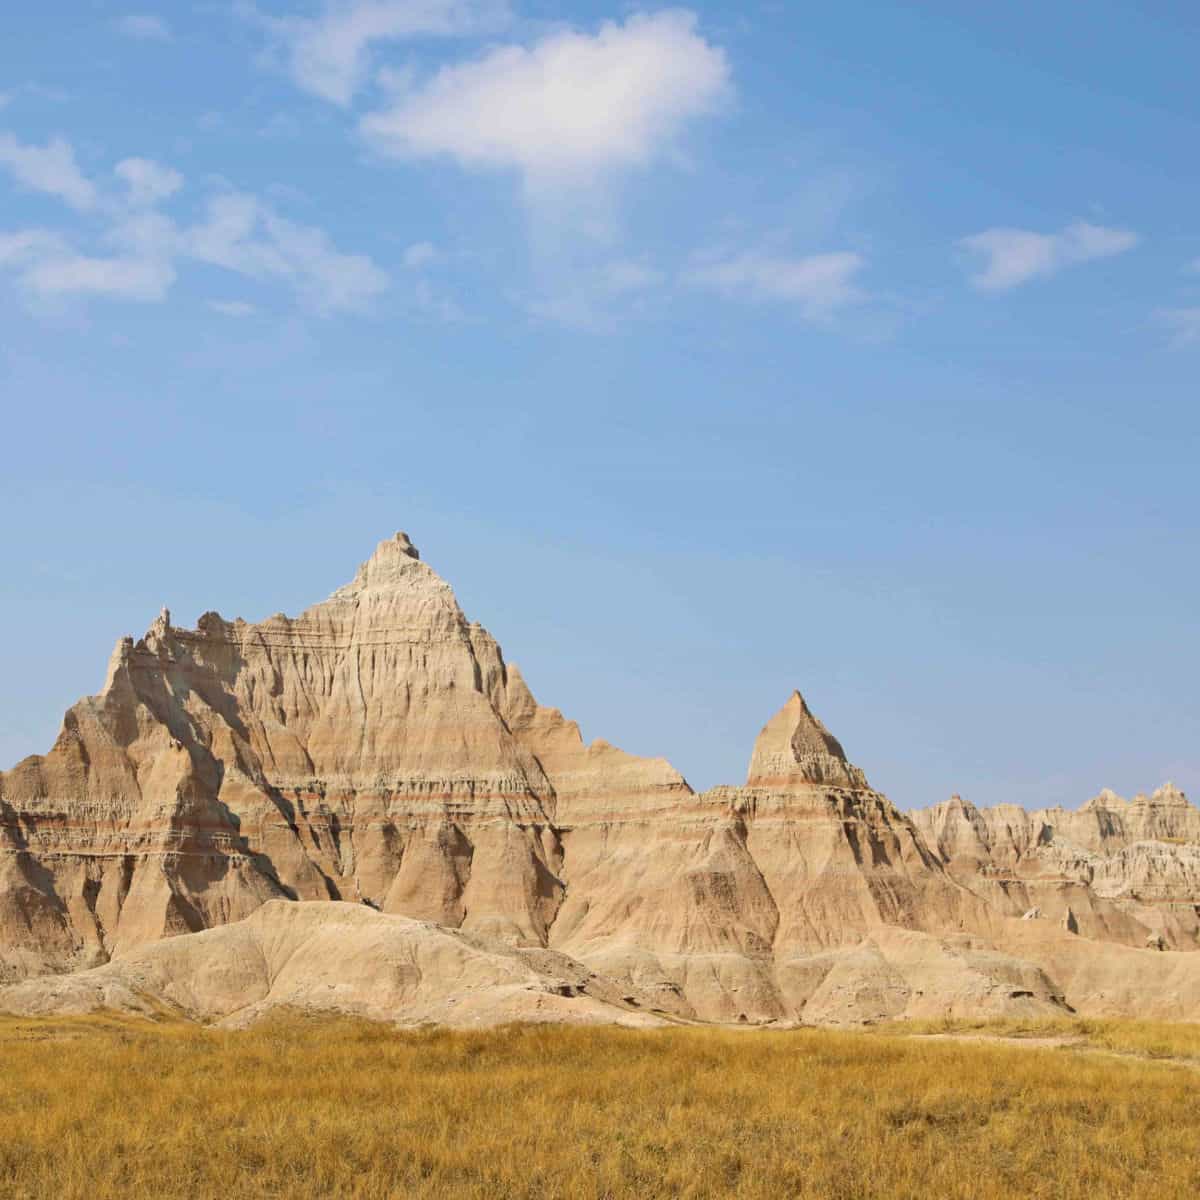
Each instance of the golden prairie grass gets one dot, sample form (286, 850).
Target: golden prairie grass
(1152, 1039)
(104, 1108)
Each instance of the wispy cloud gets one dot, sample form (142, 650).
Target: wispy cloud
(433, 304)
(566, 111)
(1184, 324)
(623, 276)
(232, 308)
(50, 168)
(49, 266)
(144, 27)
(1012, 257)
(420, 254)
(126, 278)
(242, 234)
(330, 55)
(328, 279)
(818, 284)
(24, 246)
(149, 183)
(144, 245)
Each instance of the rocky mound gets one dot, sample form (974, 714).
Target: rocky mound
(337, 957)
(378, 751)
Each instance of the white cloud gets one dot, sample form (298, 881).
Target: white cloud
(148, 182)
(5, 99)
(1015, 256)
(595, 294)
(242, 234)
(146, 232)
(77, 274)
(330, 55)
(819, 283)
(1082, 241)
(49, 266)
(328, 279)
(50, 168)
(24, 246)
(420, 254)
(568, 109)
(232, 308)
(1184, 324)
(226, 238)
(239, 233)
(144, 26)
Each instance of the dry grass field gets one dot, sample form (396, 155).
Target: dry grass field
(104, 1108)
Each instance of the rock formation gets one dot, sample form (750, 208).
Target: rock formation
(1125, 871)
(378, 751)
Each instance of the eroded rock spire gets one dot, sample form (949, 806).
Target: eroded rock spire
(794, 747)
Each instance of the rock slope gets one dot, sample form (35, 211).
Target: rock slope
(378, 753)
(338, 957)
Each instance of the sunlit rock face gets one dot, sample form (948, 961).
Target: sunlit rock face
(378, 749)
(1125, 871)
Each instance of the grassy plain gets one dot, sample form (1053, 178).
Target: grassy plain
(302, 1108)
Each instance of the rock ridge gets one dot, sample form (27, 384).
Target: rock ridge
(377, 755)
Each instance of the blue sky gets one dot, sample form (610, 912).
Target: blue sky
(708, 352)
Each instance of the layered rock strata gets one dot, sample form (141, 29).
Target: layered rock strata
(1125, 871)
(377, 750)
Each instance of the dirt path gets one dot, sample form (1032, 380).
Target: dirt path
(1076, 1043)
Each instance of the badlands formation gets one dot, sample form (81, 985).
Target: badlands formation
(364, 809)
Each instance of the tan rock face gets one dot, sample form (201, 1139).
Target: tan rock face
(377, 749)
(795, 748)
(1124, 871)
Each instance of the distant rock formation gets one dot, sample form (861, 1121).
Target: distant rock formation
(378, 750)
(1124, 871)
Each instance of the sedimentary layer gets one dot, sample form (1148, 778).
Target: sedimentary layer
(377, 752)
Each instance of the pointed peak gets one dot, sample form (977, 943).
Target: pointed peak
(159, 632)
(803, 728)
(1106, 798)
(957, 802)
(1169, 794)
(795, 747)
(398, 544)
(393, 562)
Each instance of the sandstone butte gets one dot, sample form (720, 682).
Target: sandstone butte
(364, 809)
